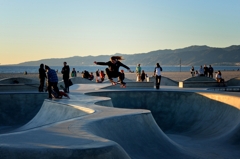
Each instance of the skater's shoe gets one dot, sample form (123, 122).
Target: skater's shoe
(114, 83)
(123, 85)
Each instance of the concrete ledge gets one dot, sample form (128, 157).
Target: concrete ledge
(198, 84)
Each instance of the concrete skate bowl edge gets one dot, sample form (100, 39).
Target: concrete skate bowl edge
(188, 118)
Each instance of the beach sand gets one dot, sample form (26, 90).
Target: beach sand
(176, 76)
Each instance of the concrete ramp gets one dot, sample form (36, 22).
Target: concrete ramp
(53, 112)
(17, 109)
(139, 136)
(234, 82)
(140, 125)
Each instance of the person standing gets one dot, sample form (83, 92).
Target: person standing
(210, 71)
(157, 73)
(52, 81)
(74, 73)
(205, 68)
(65, 71)
(42, 76)
(201, 71)
(143, 76)
(138, 72)
(192, 71)
(113, 69)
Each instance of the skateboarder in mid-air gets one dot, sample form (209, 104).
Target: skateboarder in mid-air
(113, 69)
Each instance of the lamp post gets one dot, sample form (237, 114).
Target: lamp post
(180, 65)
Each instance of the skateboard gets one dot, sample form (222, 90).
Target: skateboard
(121, 85)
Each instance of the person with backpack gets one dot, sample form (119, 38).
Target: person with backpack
(157, 74)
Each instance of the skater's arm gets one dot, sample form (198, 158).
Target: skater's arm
(101, 63)
(121, 64)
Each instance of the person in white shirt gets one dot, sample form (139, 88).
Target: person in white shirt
(201, 71)
(157, 73)
(219, 77)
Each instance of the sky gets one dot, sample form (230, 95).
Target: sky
(32, 30)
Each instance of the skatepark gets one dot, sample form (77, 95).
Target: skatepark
(101, 121)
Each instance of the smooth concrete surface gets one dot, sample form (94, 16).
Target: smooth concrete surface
(234, 82)
(18, 80)
(129, 123)
(21, 87)
(18, 108)
(135, 85)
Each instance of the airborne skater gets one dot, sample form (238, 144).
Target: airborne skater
(113, 69)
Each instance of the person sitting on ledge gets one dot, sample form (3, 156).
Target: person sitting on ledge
(219, 77)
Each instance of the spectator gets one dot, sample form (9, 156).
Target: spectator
(201, 71)
(66, 71)
(102, 75)
(91, 76)
(210, 71)
(138, 73)
(143, 76)
(98, 79)
(74, 73)
(192, 71)
(219, 77)
(157, 73)
(197, 74)
(85, 74)
(42, 76)
(205, 68)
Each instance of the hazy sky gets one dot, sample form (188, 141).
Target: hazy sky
(39, 29)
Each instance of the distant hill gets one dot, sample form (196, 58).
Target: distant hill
(193, 55)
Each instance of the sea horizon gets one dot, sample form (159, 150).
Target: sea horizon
(93, 68)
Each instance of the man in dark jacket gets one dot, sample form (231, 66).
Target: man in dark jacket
(210, 71)
(66, 71)
(42, 76)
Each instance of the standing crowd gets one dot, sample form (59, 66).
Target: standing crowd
(45, 72)
(207, 72)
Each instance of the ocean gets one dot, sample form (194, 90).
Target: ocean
(93, 68)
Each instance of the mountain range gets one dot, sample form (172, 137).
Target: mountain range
(193, 55)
